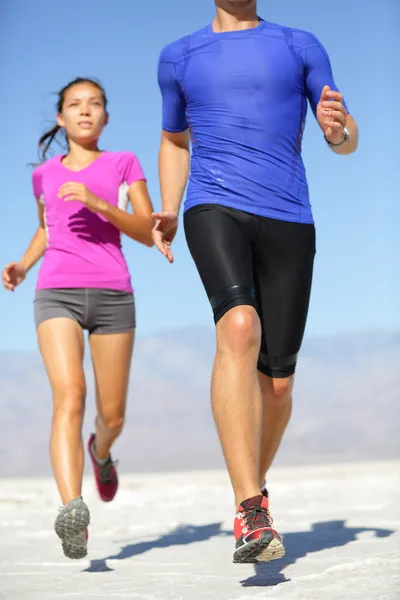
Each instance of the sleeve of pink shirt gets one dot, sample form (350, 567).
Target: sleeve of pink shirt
(37, 185)
(130, 168)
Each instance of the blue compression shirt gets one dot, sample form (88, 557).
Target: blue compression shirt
(243, 94)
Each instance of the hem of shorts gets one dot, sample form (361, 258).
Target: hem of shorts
(276, 373)
(37, 325)
(260, 213)
(54, 285)
(240, 301)
(114, 331)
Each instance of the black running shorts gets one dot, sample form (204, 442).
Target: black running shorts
(245, 259)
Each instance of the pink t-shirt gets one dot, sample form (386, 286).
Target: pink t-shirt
(83, 248)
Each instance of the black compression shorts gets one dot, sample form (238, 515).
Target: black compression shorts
(245, 259)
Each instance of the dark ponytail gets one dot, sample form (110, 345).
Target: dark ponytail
(49, 138)
(54, 133)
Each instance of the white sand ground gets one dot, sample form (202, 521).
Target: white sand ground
(169, 537)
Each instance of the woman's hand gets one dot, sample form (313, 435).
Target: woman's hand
(78, 192)
(13, 274)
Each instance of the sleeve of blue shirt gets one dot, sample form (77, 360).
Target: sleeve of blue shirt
(318, 72)
(173, 101)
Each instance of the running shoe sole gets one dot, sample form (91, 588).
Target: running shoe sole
(70, 526)
(266, 548)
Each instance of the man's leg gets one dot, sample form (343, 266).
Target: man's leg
(220, 241)
(236, 398)
(283, 276)
(277, 409)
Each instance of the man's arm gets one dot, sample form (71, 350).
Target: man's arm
(174, 160)
(352, 143)
(326, 101)
(175, 137)
(173, 165)
(174, 155)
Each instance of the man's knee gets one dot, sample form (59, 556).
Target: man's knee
(282, 388)
(278, 389)
(239, 330)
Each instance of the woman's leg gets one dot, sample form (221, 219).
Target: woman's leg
(111, 356)
(61, 344)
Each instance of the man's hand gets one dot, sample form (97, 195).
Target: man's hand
(13, 274)
(332, 115)
(164, 232)
(80, 193)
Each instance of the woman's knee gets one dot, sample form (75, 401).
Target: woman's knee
(69, 399)
(112, 421)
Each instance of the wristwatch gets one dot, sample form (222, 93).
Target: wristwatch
(346, 137)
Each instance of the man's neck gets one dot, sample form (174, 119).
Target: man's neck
(224, 21)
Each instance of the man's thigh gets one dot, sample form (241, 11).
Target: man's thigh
(284, 258)
(220, 242)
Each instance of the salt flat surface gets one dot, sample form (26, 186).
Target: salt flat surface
(169, 537)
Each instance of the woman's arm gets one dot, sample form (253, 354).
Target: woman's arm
(137, 226)
(37, 247)
(14, 273)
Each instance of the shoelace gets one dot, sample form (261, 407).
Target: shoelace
(255, 518)
(107, 471)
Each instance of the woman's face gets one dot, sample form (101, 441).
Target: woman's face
(83, 114)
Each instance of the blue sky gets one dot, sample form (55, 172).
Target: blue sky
(44, 44)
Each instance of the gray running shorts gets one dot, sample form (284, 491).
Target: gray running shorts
(97, 310)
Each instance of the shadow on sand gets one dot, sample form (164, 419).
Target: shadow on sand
(181, 536)
(322, 536)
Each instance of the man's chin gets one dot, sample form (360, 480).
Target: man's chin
(240, 5)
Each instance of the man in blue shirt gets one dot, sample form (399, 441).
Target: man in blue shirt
(238, 91)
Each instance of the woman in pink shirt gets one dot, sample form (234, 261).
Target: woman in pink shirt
(84, 284)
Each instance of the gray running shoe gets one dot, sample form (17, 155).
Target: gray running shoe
(71, 527)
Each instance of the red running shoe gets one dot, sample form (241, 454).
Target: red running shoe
(256, 540)
(105, 474)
